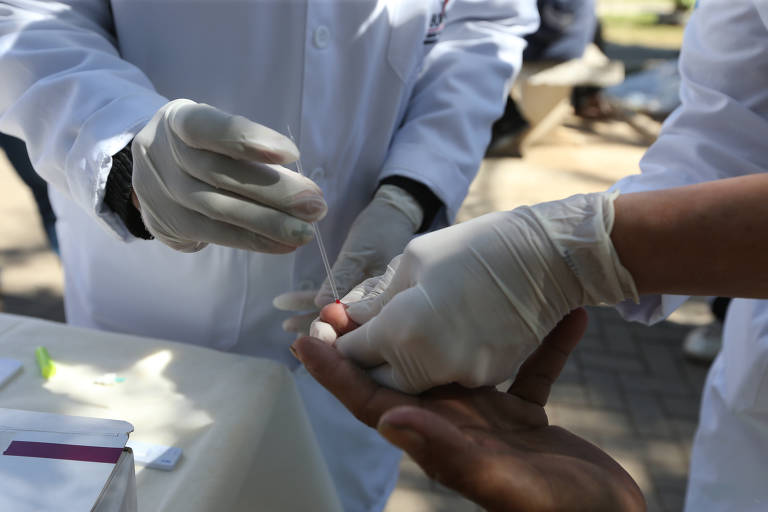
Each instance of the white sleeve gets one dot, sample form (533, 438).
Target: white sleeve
(69, 95)
(459, 92)
(719, 131)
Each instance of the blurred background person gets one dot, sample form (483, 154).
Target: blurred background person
(565, 30)
(17, 155)
(703, 343)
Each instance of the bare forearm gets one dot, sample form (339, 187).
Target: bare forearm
(705, 239)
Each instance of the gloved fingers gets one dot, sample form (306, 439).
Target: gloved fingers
(236, 211)
(299, 323)
(190, 231)
(356, 346)
(360, 292)
(365, 290)
(324, 295)
(303, 300)
(351, 269)
(323, 331)
(368, 299)
(372, 287)
(389, 332)
(174, 196)
(181, 244)
(347, 272)
(205, 127)
(390, 377)
(383, 375)
(269, 185)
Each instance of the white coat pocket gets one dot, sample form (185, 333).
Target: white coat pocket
(408, 42)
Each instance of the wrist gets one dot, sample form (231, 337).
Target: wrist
(403, 202)
(579, 228)
(429, 203)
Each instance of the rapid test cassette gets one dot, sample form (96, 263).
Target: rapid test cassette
(154, 456)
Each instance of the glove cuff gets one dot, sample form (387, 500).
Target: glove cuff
(403, 202)
(430, 204)
(117, 194)
(580, 229)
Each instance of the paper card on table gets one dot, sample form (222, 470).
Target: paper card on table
(56, 462)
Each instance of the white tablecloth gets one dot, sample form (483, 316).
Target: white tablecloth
(247, 442)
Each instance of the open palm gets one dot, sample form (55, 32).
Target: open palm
(495, 448)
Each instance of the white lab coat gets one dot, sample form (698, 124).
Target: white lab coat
(370, 88)
(720, 131)
(567, 28)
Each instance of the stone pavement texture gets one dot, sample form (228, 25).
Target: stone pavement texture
(627, 387)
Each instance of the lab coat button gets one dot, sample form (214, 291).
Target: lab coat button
(322, 36)
(317, 175)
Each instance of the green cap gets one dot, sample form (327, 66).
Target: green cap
(47, 368)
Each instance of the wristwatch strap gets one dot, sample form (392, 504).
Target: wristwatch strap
(429, 202)
(118, 193)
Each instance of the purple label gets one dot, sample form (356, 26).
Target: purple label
(64, 451)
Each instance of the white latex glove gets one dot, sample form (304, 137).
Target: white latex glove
(469, 303)
(379, 233)
(204, 176)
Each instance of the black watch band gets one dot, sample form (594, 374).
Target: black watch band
(117, 194)
(429, 202)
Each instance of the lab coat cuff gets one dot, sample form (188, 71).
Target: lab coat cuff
(441, 175)
(103, 134)
(651, 309)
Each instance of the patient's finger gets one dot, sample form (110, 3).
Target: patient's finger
(295, 301)
(336, 316)
(350, 384)
(299, 323)
(322, 331)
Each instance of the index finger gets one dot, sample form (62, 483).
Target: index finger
(205, 127)
(336, 315)
(350, 384)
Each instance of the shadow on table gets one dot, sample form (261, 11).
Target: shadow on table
(41, 303)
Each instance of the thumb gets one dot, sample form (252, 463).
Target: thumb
(205, 127)
(436, 445)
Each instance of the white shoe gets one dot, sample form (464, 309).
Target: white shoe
(703, 343)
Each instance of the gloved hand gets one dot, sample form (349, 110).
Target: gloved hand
(469, 303)
(379, 233)
(204, 176)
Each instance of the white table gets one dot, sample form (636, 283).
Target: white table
(247, 442)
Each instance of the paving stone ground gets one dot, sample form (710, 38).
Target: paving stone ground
(627, 388)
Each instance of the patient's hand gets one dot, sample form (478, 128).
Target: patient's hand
(333, 322)
(495, 448)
